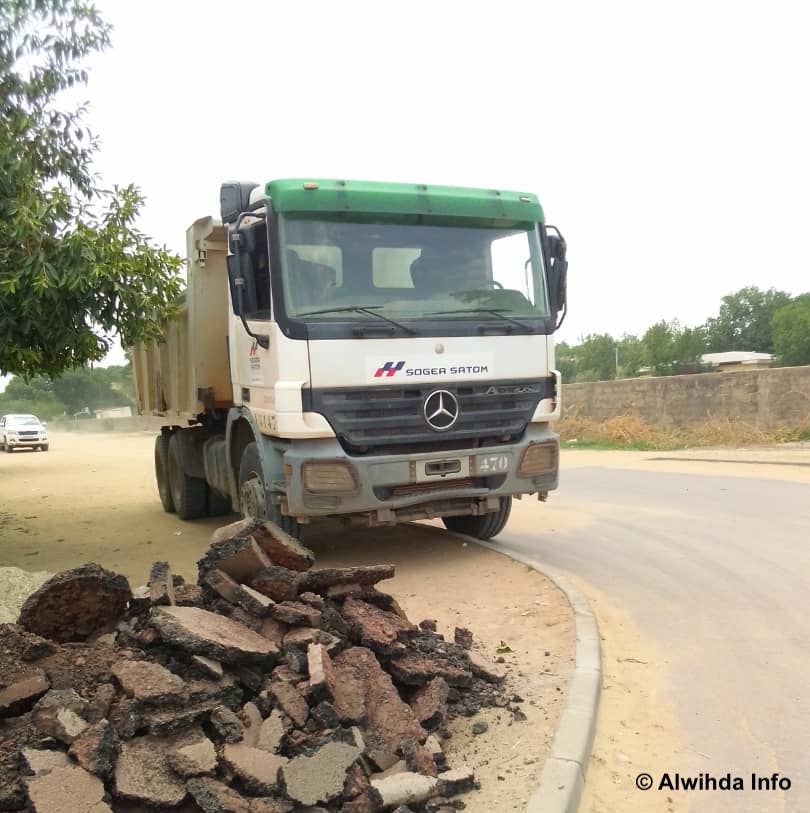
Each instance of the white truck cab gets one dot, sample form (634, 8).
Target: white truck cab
(367, 351)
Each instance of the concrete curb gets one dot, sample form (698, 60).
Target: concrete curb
(563, 776)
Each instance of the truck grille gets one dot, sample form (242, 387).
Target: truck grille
(387, 419)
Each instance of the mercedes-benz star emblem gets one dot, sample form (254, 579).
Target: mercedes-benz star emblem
(441, 410)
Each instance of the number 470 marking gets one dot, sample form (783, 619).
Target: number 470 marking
(495, 462)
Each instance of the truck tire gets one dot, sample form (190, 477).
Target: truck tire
(162, 471)
(218, 504)
(189, 494)
(483, 526)
(252, 495)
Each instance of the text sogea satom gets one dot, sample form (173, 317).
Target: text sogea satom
(477, 368)
(706, 781)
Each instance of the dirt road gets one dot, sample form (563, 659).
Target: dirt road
(92, 498)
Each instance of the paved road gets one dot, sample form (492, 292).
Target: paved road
(718, 568)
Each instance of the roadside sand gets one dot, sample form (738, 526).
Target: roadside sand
(15, 586)
(92, 498)
(636, 729)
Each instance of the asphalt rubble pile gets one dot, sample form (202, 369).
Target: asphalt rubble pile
(267, 687)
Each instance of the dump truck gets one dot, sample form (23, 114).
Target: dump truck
(370, 352)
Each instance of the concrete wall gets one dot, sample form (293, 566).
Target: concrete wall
(768, 399)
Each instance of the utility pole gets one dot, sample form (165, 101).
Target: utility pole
(617, 361)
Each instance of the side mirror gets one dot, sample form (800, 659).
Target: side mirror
(562, 286)
(557, 249)
(238, 264)
(234, 198)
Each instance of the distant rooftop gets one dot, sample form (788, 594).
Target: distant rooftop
(736, 357)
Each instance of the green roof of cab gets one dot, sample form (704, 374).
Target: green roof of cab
(370, 197)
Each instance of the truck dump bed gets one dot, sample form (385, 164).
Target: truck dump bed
(187, 370)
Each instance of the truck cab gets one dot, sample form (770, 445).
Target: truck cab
(372, 352)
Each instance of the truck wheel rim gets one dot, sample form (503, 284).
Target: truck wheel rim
(251, 498)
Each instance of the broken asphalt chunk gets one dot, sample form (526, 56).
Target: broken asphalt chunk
(277, 583)
(279, 546)
(258, 769)
(60, 714)
(415, 669)
(95, 749)
(321, 776)
(375, 628)
(240, 558)
(429, 703)
(50, 790)
(318, 581)
(143, 772)
(161, 584)
(195, 759)
(75, 604)
(149, 682)
(20, 695)
(201, 632)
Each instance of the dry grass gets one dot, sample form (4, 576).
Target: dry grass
(621, 430)
(631, 432)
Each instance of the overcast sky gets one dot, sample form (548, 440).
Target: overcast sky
(669, 142)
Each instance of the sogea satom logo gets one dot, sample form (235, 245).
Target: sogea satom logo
(389, 369)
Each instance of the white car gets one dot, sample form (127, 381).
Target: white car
(22, 432)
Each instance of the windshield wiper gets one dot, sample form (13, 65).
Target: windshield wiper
(494, 311)
(371, 310)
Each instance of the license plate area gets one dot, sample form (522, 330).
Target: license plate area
(450, 468)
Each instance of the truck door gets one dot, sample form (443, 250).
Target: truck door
(249, 270)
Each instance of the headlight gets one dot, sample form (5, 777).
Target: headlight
(333, 477)
(539, 458)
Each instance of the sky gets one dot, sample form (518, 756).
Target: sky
(669, 142)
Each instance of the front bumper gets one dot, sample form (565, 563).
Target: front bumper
(25, 443)
(395, 488)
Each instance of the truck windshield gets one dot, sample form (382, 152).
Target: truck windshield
(333, 269)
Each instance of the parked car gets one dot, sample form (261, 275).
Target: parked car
(22, 432)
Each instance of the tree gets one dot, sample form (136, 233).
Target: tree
(744, 320)
(74, 390)
(791, 332)
(566, 361)
(596, 358)
(690, 344)
(659, 347)
(73, 268)
(84, 388)
(631, 356)
(30, 390)
(120, 378)
(33, 396)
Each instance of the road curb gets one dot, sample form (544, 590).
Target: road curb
(563, 775)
